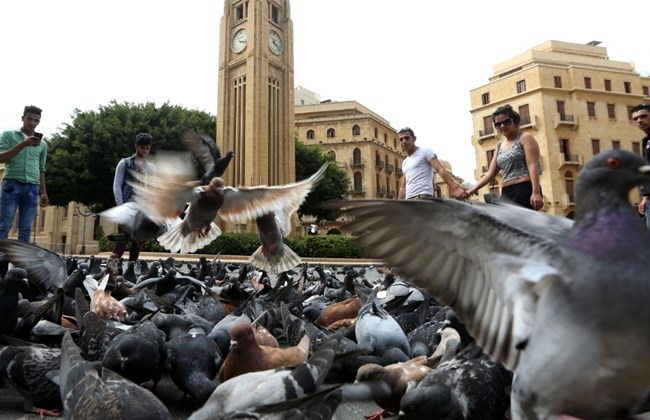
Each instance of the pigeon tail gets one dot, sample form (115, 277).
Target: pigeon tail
(275, 263)
(174, 241)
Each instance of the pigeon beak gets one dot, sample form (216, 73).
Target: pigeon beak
(233, 343)
(645, 169)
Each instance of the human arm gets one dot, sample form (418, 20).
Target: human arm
(457, 191)
(531, 151)
(44, 200)
(492, 171)
(642, 204)
(9, 153)
(118, 180)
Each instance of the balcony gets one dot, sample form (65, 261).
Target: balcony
(358, 192)
(566, 201)
(379, 165)
(567, 120)
(568, 160)
(398, 172)
(390, 194)
(381, 191)
(390, 168)
(356, 163)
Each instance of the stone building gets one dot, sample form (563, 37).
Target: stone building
(573, 99)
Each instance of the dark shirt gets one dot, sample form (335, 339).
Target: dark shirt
(645, 145)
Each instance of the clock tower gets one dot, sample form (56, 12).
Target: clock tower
(255, 115)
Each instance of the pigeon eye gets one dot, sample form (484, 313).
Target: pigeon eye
(613, 163)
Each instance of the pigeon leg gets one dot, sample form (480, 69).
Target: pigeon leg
(45, 412)
(378, 415)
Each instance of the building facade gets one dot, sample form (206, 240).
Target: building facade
(574, 100)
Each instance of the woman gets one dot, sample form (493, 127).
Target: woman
(518, 157)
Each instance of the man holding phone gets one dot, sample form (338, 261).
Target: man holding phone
(23, 186)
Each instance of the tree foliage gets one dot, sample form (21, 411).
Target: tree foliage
(335, 185)
(82, 157)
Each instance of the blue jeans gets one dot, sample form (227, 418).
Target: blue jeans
(21, 196)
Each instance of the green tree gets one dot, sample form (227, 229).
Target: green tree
(335, 185)
(82, 157)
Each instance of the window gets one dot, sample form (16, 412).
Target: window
(591, 109)
(332, 155)
(595, 146)
(611, 111)
(559, 106)
(636, 147)
(331, 133)
(558, 81)
(241, 12)
(616, 144)
(358, 185)
(485, 98)
(524, 113)
(378, 183)
(646, 91)
(521, 86)
(488, 127)
(608, 85)
(310, 134)
(587, 82)
(376, 133)
(356, 130)
(274, 14)
(356, 156)
(568, 184)
(489, 155)
(564, 149)
(629, 112)
(385, 138)
(377, 158)
(628, 87)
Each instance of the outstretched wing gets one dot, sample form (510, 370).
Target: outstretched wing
(45, 268)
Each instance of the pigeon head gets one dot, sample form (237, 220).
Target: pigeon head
(615, 171)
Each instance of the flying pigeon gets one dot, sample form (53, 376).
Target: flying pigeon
(568, 315)
(206, 154)
(167, 195)
(45, 269)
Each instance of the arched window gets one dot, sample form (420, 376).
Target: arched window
(356, 156)
(332, 155)
(385, 138)
(356, 130)
(358, 182)
(376, 134)
(331, 133)
(377, 157)
(310, 134)
(378, 182)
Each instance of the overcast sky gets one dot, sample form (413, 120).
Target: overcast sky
(411, 61)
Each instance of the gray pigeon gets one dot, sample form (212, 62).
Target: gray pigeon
(206, 154)
(569, 316)
(45, 269)
(89, 391)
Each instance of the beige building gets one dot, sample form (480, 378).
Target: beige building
(573, 99)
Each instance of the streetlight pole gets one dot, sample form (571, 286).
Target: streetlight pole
(84, 214)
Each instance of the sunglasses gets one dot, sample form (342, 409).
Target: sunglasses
(504, 123)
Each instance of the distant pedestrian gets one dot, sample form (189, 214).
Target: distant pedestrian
(23, 186)
(641, 116)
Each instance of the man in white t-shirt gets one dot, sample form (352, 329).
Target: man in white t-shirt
(419, 167)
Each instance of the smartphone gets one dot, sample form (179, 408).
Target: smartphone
(38, 135)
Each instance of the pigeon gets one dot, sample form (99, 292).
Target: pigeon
(46, 270)
(105, 305)
(25, 369)
(206, 154)
(523, 296)
(167, 194)
(89, 391)
(273, 255)
(468, 386)
(133, 220)
(246, 355)
(137, 354)
(400, 376)
(250, 390)
(193, 361)
(9, 290)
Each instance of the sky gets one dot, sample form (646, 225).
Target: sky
(413, 62)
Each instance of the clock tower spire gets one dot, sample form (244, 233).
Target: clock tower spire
(255, 116)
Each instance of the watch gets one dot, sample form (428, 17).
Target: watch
(239, 41)
(275, 43)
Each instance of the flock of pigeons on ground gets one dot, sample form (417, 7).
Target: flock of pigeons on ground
(487, 311)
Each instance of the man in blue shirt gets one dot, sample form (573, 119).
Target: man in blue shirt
(24, 154)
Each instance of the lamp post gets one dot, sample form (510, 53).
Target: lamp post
(85, 213)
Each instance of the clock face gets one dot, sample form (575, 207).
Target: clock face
(239, 41)
(275, 43)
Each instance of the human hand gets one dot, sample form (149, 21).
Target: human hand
(642, 205)
(536, 201)
(460, 193)
(44, 201)
(32, 141)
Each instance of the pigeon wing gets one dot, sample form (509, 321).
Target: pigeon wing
(45, 268)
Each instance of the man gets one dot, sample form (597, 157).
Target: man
(419, 167)
(24, 155)
(123, 191)
(641, 116)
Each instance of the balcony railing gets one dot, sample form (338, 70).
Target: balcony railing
(567, 159)
(379, 165)
(566, 120)
(398, 172)
(489, 131)
(356, 163)
(390, 194)
(357, 192)
(390, 168)
(381, 191)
